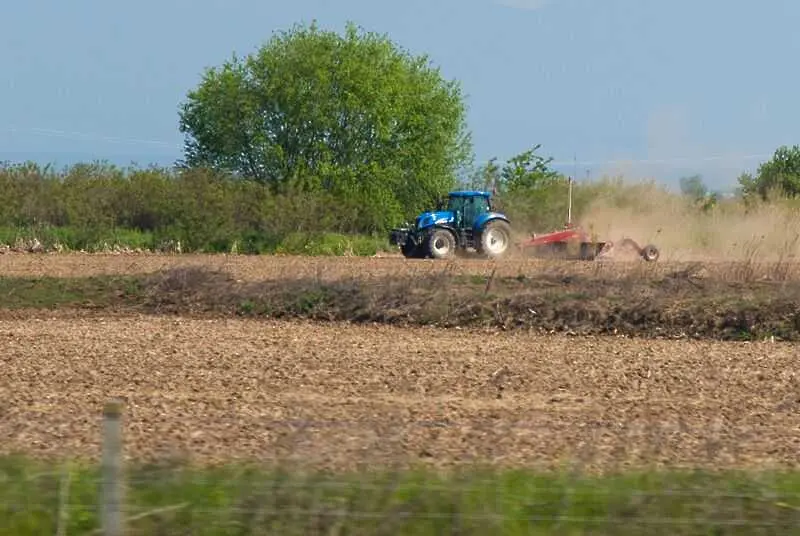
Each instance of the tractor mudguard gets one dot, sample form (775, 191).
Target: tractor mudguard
(483, 219)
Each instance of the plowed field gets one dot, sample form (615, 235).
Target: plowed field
(253, 268)
(336, 395)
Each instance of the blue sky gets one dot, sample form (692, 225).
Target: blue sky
(644, 88)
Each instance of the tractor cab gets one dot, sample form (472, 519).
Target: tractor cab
(467, 206)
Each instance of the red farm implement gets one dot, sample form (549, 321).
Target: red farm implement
(575, 243)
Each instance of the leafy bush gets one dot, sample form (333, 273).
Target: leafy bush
(96, 207)
(329, 244)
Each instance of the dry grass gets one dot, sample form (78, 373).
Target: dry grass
(731, 231)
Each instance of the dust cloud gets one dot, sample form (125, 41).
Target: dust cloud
(683, 231)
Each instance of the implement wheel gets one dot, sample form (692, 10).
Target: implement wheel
(650, 253)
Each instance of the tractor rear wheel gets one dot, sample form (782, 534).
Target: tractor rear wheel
(441, 244)
(495, 239)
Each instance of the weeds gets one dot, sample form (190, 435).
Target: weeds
(649, 303)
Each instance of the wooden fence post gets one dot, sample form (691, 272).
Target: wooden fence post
(111, 500)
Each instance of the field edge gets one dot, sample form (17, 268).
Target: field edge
(663, 306)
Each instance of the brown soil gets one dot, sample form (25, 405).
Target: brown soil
(337, 395)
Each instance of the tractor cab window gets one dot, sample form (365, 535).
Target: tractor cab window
(455, 204)
(475, 206)
(483, 205)
(467, 209)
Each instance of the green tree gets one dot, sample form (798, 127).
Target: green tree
(354, 115)
(693, 187)
(531, 192)
(528, 171)
(484, 177)
(780, 174)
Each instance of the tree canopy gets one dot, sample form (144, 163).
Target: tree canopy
(520, 174)
(779, 175)
(528, 171)
(351, 115)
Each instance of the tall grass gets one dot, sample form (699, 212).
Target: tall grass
(41, 498)
(685, 229)
(66, 239)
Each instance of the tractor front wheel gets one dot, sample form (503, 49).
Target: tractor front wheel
(495, 239)
(410, 250)
(441, 244)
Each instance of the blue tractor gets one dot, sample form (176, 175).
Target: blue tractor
(466, 220)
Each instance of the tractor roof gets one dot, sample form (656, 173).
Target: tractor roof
(470, 193)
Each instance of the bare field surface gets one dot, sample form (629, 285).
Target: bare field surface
(268, 267)
(338, 396)
(252, 268)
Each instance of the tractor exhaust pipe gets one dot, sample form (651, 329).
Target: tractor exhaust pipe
(569, 202)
